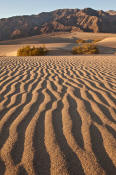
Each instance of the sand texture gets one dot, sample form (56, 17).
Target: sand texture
(58, 115)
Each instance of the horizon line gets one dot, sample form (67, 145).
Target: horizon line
(19, 15)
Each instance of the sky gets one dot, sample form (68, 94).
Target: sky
(10, 8)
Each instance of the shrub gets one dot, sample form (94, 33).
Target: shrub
(80, 41)
(28, 51)
(85, 49)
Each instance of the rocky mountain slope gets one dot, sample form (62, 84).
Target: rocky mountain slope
(62, 20)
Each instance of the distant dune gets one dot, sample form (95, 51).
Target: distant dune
(58, 115)
(108, 45)
(58, 37)
(110, 42)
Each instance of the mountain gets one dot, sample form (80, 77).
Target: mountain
(62, 20)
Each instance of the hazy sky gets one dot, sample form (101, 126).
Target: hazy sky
(20, 7)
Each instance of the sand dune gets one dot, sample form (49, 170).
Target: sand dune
(109, 40)
(107, 45)
(59, 43)
(58, 115)
(58, 37)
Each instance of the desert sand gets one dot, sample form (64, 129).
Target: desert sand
(107, 45)
(60, 43)
(58, 115)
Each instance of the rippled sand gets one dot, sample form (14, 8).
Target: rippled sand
(58, 115)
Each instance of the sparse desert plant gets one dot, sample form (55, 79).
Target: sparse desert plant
(85, 49)
(32, 51)
(80, 41)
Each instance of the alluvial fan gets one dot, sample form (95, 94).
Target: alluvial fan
(58, 115)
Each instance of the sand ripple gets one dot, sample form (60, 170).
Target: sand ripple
(58, 115)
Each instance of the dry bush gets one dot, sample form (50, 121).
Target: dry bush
(85, 49)
(80, 41)
(32, 51)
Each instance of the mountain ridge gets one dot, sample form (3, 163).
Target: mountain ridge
(60, 20)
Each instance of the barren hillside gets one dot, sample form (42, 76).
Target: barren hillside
(62, 20)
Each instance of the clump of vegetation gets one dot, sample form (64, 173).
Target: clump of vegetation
(80, 41)
(88, 48)
(32, 51)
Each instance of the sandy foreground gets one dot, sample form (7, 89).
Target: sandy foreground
(58, 115)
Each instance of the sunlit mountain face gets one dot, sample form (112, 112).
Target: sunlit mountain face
(61, 20)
